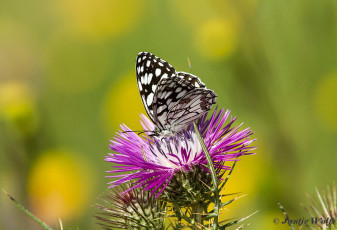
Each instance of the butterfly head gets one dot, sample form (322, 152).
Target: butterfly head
(168, 131)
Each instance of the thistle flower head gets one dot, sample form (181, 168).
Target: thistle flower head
(135, 209)
(157, 163)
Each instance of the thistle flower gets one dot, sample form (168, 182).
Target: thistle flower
(135, 209)
(157, 163)
(323, 209)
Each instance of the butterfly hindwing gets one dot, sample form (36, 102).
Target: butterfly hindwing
(192, 79)
(169, 92)
(189, 108)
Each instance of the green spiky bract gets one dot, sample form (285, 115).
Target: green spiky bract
(28, 213)
(191, 193)
(135, 209)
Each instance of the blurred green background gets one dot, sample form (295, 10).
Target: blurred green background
(67, 80)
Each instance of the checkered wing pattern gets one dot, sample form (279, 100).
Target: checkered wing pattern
(172, 99)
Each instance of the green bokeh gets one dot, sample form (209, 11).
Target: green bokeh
(272, 81)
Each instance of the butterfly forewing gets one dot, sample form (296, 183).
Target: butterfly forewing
(150, 70)
(189, 108)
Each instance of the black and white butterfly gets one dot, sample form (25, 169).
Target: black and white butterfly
(171, 99)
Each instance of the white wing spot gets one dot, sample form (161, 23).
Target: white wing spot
(149, 99)
(172, 84)
(164, 76)
(164, 114)
(140, 86)
(142, 69)
(167, 94)
(161, 108)
(149, 78)
(161, 64)
(194, 103)
(145, 79)
(144, 57)
(154, 88)
(181, 94)
(158, 72)
(148, 63)
(178, 89)
(179, 114)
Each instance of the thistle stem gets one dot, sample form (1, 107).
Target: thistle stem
(214, 179)
(28, 213)
(285, 214)
(197, 212)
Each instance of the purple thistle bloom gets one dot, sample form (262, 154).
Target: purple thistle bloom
(152, 162)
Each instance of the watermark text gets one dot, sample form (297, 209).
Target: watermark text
(305, 221)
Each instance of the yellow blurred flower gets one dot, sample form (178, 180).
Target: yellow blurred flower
(59, 185)
(17, 106)
(215, 25)
(76, 66)
(246, 174)
(100, 19)
(325, 100)
(193, 13)
(245, 181)
(217, 38)
(123, 104)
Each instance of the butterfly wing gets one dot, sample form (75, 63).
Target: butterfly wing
(150, 70)
(190, 107)
(171, 99)
(170, 91)
(192, 79)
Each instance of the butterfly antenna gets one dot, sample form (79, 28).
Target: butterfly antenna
(189, 62)
(135, 131)
(141, 132)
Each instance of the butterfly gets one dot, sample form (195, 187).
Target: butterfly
(171, 99)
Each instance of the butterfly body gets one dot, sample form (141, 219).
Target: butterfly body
(172, 99)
